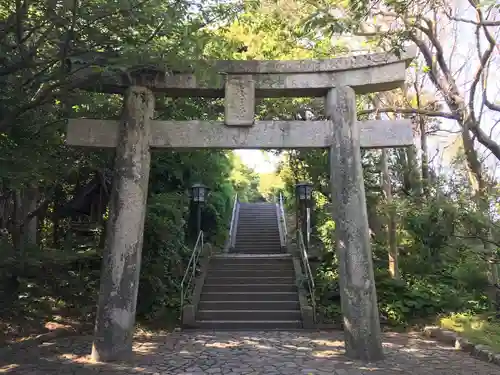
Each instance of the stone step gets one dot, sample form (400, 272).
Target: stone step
(257, 239)
(257, 204)
(252, 263)
(222, 280)
(249, 265)
(276, 260)
(256, 251)
(257, 245)
(253, 215)
(251, 274)
(258, 222)
(247, 240)
(258, 232)
(257, 242)
(242, 325)
(253, 259)
(268, 229)
(249, 288)
(249, 305)
(249, 296)
(262, 209)
(257, 219)
(257, 235)
(256, 269)
(264, 231)
(255, 315)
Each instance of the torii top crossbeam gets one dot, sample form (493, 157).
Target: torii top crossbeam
(295, 78)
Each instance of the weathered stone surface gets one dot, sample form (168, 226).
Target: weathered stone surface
(256, 353)
(361, 61)
(307, 317)
(122, 258)
(263, 135)
(189, 316)
(308, 78)
(357, 284)
(239, 100)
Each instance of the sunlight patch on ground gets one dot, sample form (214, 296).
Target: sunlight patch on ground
(478, 329)
(221, 345)
(76, 358)
(8, 368)
(145, 348)
(325, 353)
(328, 343)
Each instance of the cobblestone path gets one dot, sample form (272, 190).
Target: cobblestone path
(232, 353)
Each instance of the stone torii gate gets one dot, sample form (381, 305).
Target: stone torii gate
(240, 83)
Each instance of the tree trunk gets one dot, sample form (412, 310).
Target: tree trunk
(391, 217)
(30, 196)
(16, 227)
(480, 187)
(424, 152)
(413, 171)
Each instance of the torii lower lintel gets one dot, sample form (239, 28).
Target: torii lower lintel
(184, 135)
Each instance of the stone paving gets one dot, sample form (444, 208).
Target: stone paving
(245, 353)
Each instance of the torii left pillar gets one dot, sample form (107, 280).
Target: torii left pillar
(114, 328)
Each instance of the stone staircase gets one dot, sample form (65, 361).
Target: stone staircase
(257, 231)
(254, 285)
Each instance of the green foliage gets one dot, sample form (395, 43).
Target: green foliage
(37, 96)
(440, 273)
(414, 298)
(164, 255)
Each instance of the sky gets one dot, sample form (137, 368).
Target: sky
(261, 162)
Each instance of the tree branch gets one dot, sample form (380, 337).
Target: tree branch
(415, 111)
(477, 23)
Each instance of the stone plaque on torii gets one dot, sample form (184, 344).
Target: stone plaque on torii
(240, 83)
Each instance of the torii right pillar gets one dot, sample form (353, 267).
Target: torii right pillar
(357, 283)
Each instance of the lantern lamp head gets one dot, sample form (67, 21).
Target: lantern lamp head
(199, 193)
(303, 190)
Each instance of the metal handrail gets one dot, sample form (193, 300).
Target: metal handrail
(282, 216)
(233, 219)
(307, 270)
(190, 272)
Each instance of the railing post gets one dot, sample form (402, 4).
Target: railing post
(234, 222)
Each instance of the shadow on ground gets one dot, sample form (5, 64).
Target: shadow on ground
(196, 353)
